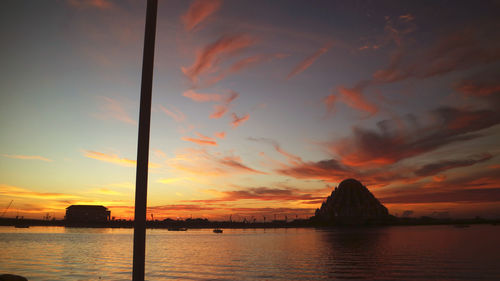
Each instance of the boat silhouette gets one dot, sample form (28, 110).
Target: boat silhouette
(177, 229)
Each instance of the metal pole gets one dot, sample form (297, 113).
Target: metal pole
(141, 181)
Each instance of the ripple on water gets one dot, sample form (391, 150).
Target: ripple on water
(393, 253)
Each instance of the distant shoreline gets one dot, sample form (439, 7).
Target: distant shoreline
(206, 224)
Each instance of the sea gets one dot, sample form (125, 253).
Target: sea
(440, 252)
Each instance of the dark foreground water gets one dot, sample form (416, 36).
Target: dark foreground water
(397, 253)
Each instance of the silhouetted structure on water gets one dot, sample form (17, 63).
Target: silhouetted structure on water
(351, 203)
(87, 214)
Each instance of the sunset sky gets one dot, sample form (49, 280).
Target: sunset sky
(259, 107)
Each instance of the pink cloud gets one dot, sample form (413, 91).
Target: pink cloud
(306, 63)
(221, 109)
(113, 158)
(202, 97)
(244, 64)
(239, 120)
(199, 11)
(220, 135)
(200, 141)
(211, 54)
(355, 99)
(175, 113)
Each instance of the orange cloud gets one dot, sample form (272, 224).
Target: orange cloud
(175, 113)
(306, 63)
(355, 99)
(14, 191)
(113, 158)
(210, 55)
(199, 11)
(243, 64)
(200, 141)
(220, 135)
(202, 97)
(27, 157)
(239, 120)
(221, 109)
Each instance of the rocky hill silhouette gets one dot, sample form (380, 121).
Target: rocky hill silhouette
(351, 203)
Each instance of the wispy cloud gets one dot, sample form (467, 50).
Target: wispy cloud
(355, 99)
(224, 101)
(243, 64)
(455, 196)
(113, 158)
(199, 11)
(9, 190)
(221, 109)
(396, 28)
(175, 113)
(483, 84)
(201, 141)
(220, 135)
(329, 170)
(202, 97)
(27, 157)
(457, 51)
(292, 159)
(237, 121)
(113, 109)
(212, 54)
(444, 165)
(306, 63)
(265, 193)
(201, 162)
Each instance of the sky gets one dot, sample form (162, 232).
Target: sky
(260, 108)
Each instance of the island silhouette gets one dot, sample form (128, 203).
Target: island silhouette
(349, 204)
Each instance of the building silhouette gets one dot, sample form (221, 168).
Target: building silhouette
(87, 213)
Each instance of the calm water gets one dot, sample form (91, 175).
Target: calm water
(415, 252)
